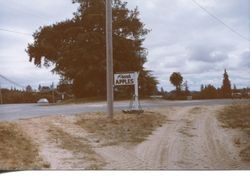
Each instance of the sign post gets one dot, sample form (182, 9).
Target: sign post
(131, 78)
(136, 91)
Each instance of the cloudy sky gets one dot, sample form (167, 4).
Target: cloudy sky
(197, 38)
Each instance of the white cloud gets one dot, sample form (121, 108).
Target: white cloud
(184, 38)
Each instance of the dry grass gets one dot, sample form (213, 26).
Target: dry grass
(195, 110)
(123, 128)
(79, 146)
(17, 152)
(238, 117)
(245, 154)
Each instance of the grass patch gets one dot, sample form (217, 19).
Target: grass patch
(79, 146)
(245, 154)
(238, 117)
(123, 128)
(195, 110)
(17, 152)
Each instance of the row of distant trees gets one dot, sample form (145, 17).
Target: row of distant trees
(206, 91)
(10, 96)
(32, 95)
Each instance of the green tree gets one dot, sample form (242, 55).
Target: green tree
(76, 47)
(176, 79)
(226, 86)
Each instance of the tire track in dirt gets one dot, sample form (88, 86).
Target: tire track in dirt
(191, 139)
(160, 150)
(119, 157)
(194, 140)
(50, 151)
(217, 144)
(57, 157)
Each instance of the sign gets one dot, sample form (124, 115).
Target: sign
(125, 79)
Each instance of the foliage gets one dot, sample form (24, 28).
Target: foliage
(237, 116)
(209, 92)
(226, 86)
(123, 128)
(17, 151)
(176, 79)
(19, 96)
(76, 47)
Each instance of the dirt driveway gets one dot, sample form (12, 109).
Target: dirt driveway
(192, 138)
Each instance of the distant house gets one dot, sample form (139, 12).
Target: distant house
(44, 89)
(28, 88)
(237, 95)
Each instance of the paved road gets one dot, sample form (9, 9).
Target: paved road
(21, 111)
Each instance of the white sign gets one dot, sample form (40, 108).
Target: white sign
(125, 79)
(129, 79)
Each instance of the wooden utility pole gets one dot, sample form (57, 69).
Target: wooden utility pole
(1, 97)
(109, 57)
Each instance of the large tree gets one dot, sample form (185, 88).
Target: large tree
(76, 47)
(176, 79)
(226, 86)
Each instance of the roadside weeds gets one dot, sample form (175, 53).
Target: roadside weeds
(237, 116)
(79, 146)
(129, 129)
(17, 151)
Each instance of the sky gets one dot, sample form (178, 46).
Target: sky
(198, 38)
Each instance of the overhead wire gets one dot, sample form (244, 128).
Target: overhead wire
(220, 21)
(13, 31)
(10, 81)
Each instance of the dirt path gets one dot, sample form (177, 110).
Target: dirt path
(37, 129)
(191, 139)
(50, 150)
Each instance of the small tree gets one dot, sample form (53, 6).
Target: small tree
(226, 86)
(176, 79)
(202, 87)
(235, 88)
(39, 87)
(186, 89)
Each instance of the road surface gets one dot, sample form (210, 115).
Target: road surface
(21, 111)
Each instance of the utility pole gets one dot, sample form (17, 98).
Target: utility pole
(1, 97)
(136, 75)
(109, 58)
(53, 93)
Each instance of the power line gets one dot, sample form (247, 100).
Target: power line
(10, 81)
(16, 32)
(27, 11)
(220, 21)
